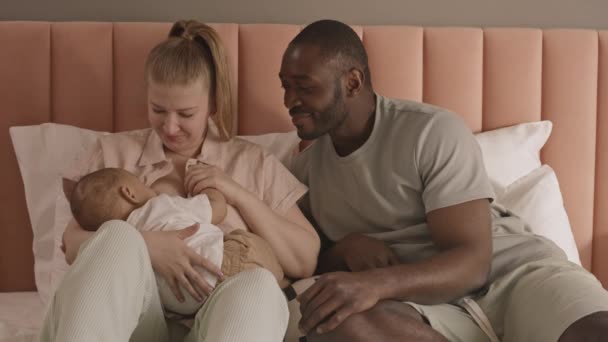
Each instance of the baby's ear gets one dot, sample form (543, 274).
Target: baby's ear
(68, 187)
(127, 193)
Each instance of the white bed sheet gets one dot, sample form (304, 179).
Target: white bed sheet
(21, 315)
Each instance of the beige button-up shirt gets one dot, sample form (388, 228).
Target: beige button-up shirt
(141, 152)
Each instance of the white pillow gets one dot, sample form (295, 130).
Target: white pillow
(44, 150)
(537, 199)
(42, 153)
(512, 152)
(63, 215)
(283, 145)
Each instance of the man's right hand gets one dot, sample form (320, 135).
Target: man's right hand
(360, 252)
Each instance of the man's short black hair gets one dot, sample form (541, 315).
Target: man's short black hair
(336, 41)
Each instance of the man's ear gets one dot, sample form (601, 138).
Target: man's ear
(128, 194)
(68, 187)
(354, 81)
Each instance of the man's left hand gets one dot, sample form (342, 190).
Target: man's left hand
(336, 296)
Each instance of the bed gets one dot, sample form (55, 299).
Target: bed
(90, 75)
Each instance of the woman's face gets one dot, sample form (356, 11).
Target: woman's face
(178, 114)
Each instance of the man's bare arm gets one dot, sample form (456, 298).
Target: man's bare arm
(463, 235)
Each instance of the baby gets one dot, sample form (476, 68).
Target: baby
(113, 193)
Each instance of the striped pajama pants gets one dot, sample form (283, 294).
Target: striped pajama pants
(110, 294)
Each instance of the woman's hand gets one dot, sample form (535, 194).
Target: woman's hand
(72, 238)
(202, 176)
(175, 261)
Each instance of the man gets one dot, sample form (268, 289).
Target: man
(416, 252)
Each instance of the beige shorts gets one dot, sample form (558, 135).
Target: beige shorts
(245, 250)
(536, 302)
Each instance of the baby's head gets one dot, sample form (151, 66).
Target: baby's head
(107, 194)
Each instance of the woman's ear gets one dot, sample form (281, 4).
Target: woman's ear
(128, 194)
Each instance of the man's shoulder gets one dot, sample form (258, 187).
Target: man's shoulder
(405, 106)
(413, 114)
(412, 119)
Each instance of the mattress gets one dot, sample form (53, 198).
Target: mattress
(21, 315)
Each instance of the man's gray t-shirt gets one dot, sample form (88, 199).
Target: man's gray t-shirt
(418, 158)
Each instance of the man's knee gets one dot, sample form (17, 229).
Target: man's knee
(383, 318)
(357, 327)
(395, 309)
(593, 327)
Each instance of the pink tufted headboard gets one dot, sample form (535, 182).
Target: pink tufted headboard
(91, 75)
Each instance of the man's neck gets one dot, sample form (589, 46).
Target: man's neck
(357, 127)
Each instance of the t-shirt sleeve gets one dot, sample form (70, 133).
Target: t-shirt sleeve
(300, 165)
(450, 164)
(282, 189)
(300, 168)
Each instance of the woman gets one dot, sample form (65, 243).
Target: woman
(109, 293)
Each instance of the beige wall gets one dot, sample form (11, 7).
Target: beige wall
(536, 13)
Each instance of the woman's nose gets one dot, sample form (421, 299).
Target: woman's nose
(170, 125)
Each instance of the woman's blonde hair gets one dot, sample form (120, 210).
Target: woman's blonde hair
(193, 51)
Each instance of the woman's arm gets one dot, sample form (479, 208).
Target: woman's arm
(73, 237)
(218, 204)
(292, 238)
(169, 254)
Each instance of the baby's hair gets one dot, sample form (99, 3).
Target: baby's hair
(94, 198)
(194, 51)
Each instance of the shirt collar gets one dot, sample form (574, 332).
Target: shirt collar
(154, 153)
